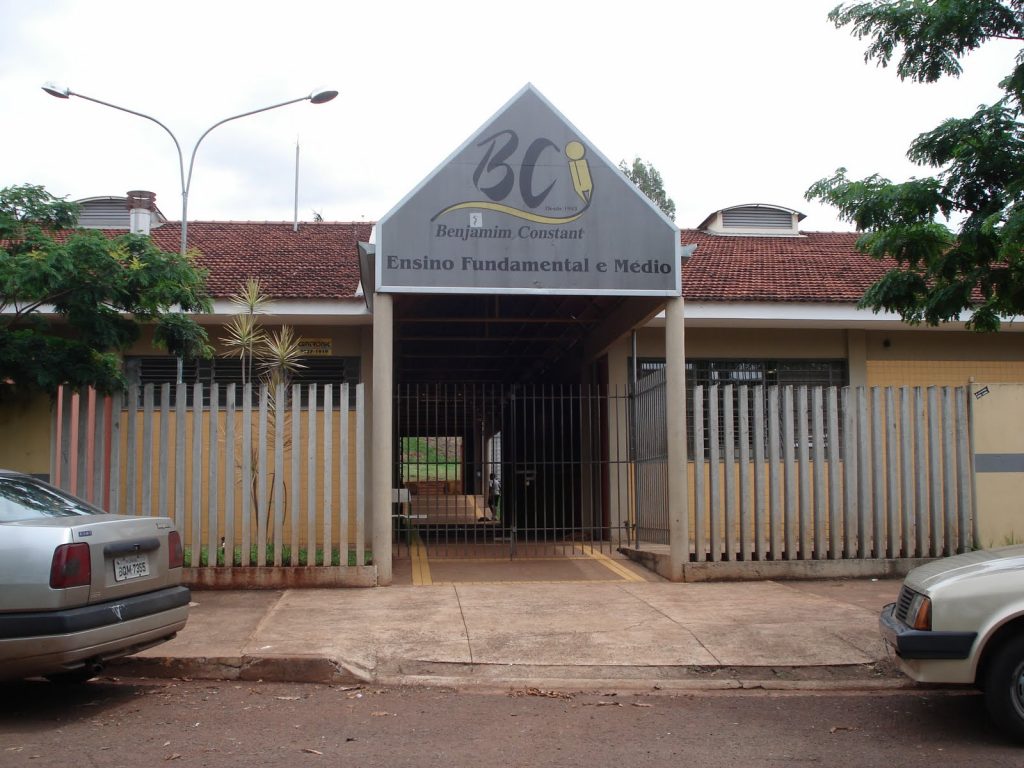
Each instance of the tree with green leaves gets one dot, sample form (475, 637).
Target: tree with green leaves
(957, 236)
(648, 180)
(72, 300)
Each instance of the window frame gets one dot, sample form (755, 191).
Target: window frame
(163, 369)
(767, 372)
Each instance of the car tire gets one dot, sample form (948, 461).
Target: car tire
(1004, 687)
(72, 677)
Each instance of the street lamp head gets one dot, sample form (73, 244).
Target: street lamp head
(59, 91)
(322, 97)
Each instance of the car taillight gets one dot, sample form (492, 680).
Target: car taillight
(175, 554)
(71, 566)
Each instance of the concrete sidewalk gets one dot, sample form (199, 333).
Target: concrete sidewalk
(769, 634)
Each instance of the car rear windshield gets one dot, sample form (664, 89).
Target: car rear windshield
(22, 498)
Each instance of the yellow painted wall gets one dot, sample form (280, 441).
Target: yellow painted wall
(943, 358)
(999, 431)
(923, 373)
(945, 345)
(25, 435)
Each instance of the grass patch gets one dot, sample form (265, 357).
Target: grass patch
(431, 458)
(416, 472)
(286, 556)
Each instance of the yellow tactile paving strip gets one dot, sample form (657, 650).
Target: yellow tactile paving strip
(615, 567)
(421, 573)
(420, 563)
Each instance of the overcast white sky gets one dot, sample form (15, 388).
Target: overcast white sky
(737, 101)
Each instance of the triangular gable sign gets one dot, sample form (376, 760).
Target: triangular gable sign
(528, 205)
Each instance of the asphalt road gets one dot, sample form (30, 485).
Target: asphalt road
(199, 723)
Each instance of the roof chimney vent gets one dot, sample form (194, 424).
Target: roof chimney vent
(141, 206)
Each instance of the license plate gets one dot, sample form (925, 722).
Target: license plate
(131, 567)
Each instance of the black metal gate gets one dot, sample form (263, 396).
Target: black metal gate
(650, 459)
(512, 471)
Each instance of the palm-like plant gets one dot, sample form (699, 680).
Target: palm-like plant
(275, 355)
(280, 356)
(244, 334)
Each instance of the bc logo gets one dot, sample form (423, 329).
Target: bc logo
(495, 177)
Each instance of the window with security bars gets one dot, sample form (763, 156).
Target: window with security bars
(325, 371)
(752, 373)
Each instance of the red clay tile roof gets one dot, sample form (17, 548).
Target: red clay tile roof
(819, 267)
(320, 261)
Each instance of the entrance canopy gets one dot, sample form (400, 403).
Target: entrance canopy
(528, 206)
(509, 339)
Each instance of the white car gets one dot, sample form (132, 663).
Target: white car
(960, 620)
(78, 586)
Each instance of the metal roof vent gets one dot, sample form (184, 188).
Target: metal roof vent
(752, 220)
(116, 212)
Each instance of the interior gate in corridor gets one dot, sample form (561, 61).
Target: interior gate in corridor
(512, 471)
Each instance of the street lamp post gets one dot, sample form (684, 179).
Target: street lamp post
(316, 97)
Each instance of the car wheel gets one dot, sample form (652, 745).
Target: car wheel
(73, 677)
(1004, 688)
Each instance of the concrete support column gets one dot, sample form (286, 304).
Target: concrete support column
(857, 357)
(678, 479)
(381, 436)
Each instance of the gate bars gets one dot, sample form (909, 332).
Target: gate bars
(559, 452)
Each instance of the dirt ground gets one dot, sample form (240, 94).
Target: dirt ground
(146, 722)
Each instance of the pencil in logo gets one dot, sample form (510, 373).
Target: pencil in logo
(580, 170)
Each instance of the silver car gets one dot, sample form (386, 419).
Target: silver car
(961, 620)
(78, 586)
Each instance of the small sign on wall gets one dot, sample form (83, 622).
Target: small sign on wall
(315, 347)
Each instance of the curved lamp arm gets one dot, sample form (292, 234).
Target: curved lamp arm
(316, 97)
(65, 93)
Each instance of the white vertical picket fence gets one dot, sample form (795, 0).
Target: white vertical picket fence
(814, 473)
(260, 478)
(775, 473)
